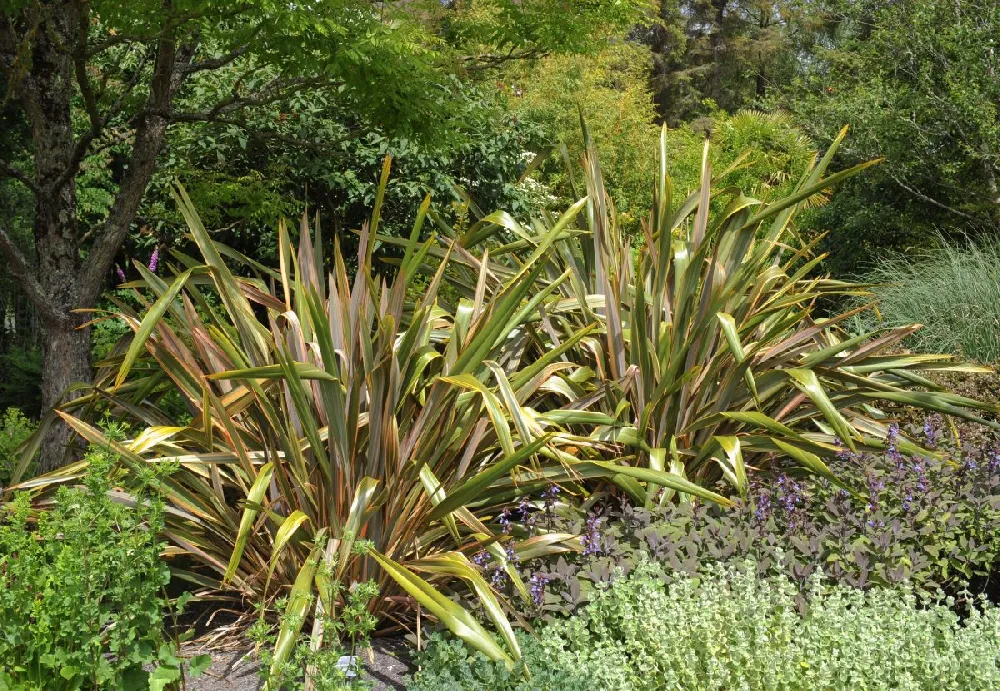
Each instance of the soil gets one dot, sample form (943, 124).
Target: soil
(235, 670)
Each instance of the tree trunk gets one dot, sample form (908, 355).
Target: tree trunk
(47, 97)
(66, 360)
(991, 185)
(63, 281)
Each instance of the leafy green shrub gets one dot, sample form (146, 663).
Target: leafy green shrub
(953, 290)
(81, 591)
(730, 629)
(14, 429)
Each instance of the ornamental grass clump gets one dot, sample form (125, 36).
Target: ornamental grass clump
(701, 351)
(952, 289)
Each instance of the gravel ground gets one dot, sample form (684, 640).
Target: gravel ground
(236, 671)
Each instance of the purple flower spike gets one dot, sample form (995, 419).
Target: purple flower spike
(504, 521)
(537, 589)
(154, 259)
(591, 539)
(932, 426)
(497, 576)
(120, 274)
(994, 462)
(892, 445)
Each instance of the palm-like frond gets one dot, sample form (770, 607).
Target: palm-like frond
(710, 355)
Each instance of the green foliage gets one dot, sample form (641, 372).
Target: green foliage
(81, 599)
(953, 290)
(611, 91)
(766, 153)
(917, 82)
(387, 395)
(333, 409)
(730, 629)
(317, 151)
(15, 428)
(732, 53)
(342, 632)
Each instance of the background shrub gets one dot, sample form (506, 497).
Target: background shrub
(730, 629)
(954, 291)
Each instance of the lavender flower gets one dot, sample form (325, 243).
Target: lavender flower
(504, 521)
(591, 538)
(843, 453)
(120, 274)
(154, 260)
(892, 445)
(994, 461)
(480, 558)
(537, 589)
(497, 576)
(524, 508)
(550, 501)
(918, 467)
(550, 496)
(511, 554)
(908, 500)
(931, 430)
(762, 506)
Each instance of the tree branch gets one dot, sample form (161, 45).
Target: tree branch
(488, 60)
(149, 136)
(23, 271)
(220, 61)
(276, 90)
(80, 68)
(930, 200)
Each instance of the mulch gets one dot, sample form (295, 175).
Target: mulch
(235, 670)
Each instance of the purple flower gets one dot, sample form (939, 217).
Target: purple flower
(497, 576)
(922, 483)
(843, 453)
(154, 259)
(550, 495)
(504, 521)
(120, 274)
(762, 507)
(591, 538)
(524, 507)
(537, 589)
(931, 429)
(511, 554)
(892, 445)
(994, 463)
(480, 558)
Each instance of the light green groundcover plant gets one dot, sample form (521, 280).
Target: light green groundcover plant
(729, 629)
